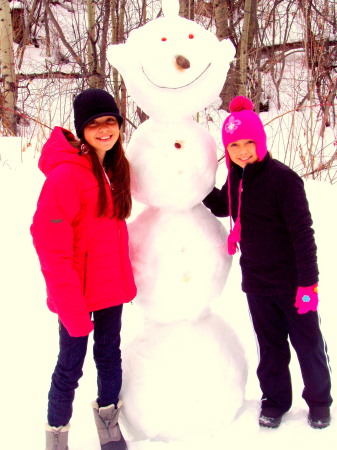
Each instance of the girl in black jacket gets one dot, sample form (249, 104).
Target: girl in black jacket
(278, 260)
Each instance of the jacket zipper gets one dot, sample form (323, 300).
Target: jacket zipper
(85, 273)
(120, 259)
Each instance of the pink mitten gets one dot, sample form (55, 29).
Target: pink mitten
(307, 299)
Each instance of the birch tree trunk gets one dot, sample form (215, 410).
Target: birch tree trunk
(104, 42)
(9, 90)
(237, 82)
(97, 43)
(221, 17)
(117, 19)
(92, 58)
(187, 9)
(246, 43)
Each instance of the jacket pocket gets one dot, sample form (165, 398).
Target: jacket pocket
(80, 265)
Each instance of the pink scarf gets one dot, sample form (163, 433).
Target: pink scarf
(235, 233)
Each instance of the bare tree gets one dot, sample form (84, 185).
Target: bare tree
(98, 28)
(9, 87)
(246, 43)
(285, 57)
(118, 36)
(187, 9)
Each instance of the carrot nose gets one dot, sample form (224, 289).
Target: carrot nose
(182, 62)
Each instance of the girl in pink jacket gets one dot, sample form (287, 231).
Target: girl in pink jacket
(81, 239)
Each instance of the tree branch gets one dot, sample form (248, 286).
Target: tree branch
(63, 39)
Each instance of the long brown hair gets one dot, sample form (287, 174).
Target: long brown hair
(117, 168)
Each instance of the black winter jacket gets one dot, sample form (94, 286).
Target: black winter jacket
(278, 250)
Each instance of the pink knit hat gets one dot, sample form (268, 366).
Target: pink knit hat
(244, 123)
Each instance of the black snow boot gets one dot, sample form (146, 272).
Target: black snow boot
(319, 417)
(269, 422)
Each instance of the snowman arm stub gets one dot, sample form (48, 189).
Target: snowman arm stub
(228, 51)
(217, 201)
(118, 56)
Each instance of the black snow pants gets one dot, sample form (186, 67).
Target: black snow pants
(275, 319)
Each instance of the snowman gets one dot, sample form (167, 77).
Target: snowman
(183, 372)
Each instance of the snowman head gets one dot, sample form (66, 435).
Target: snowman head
(172, 67)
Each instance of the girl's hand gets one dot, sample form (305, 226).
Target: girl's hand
(307, 299)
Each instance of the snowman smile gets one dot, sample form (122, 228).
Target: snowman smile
(176, 87)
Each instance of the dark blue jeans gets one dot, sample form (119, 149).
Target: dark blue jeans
(276, 319)
(68, 370)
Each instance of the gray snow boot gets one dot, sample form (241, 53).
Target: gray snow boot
(109, 433)
(57, 438)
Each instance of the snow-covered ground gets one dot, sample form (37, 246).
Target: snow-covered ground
(29, 332)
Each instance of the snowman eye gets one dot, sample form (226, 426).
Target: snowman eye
(191, 36)
(164, 39)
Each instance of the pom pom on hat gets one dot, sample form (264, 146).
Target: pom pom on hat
(240, 103)
(244, 123)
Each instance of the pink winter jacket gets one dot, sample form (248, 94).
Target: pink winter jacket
(84, 258)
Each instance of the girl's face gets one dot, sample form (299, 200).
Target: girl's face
(102, 134)
(242, 152)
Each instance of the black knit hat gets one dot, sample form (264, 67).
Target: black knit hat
(93, 103)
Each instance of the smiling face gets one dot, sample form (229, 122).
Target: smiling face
(176, 56)
(102, 134)
(172, 66)
(242, 152)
